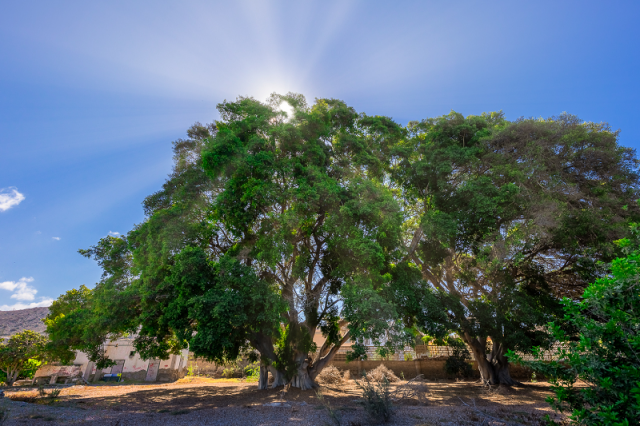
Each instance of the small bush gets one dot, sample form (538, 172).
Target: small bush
(458, 364)
(231, 372)
(330, 375)
(381, 373)
(376, 398)
(252, 372)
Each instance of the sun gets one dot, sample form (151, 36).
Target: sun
(288, 109)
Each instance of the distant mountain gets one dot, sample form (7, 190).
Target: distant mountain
(12, 322)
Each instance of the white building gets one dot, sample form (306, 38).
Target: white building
(127, 363)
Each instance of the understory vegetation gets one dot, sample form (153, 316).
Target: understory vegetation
(283, 239)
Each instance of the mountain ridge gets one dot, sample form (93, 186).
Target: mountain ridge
(12, 322)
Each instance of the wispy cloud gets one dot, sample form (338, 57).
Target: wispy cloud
(115, 234)
(56, 238)
(22, 290)
(9, 197)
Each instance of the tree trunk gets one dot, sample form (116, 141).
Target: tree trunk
(302, 379)
(487, 374)
(494, 369)
(12, 375)
(279, 378)
(263, 382)
(500, 365)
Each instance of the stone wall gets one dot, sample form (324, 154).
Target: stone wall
(431, 368)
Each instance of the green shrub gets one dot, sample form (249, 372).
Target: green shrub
(458, 364)
(603, 354)
(252, 372)
(232, 372)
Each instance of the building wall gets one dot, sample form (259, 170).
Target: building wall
(135, 368)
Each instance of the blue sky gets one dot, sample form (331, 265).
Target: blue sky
(93, 93)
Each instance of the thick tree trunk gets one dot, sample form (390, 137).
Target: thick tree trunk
(302, 379)
(263, 381)
(494, 368)
(279, 378)
(500, 365)
(487, 374)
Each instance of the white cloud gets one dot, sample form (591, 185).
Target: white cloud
(115, 234)
(21, 288)
(43, 303)
(9, 197)
(56, 238)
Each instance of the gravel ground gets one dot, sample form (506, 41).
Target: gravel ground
(227, 403)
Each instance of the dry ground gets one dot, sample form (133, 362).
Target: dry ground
(204, 401)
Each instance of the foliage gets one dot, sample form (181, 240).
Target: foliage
(458, 364)
(502, 219)
(20, 351)
(603, 354)
(272, 227)
(266, 230)
(30, 368)
(376, 398)
(190, 370)
(252, 372)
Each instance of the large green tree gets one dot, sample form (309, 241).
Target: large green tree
(503, 219)
(270, 228)
(18, 349)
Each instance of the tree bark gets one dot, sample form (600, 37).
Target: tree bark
(500, 365)
(263, 382)
(302, 379)
(494, 369)
(12, 375)
(487, 374)
(279, 378)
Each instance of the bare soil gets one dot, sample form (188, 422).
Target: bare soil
(206, 401)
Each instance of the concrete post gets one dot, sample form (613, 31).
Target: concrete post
(416, 363)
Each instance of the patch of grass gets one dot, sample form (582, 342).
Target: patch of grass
(164, 410)
(178, 412)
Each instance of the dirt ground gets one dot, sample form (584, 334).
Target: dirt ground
(205, 401)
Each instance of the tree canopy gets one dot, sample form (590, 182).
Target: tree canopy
(271, 228)
(17, 351)
(505, 217)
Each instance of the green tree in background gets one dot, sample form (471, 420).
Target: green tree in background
(269, 228)
(604, 354)
(503, 219)
(19, 352)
